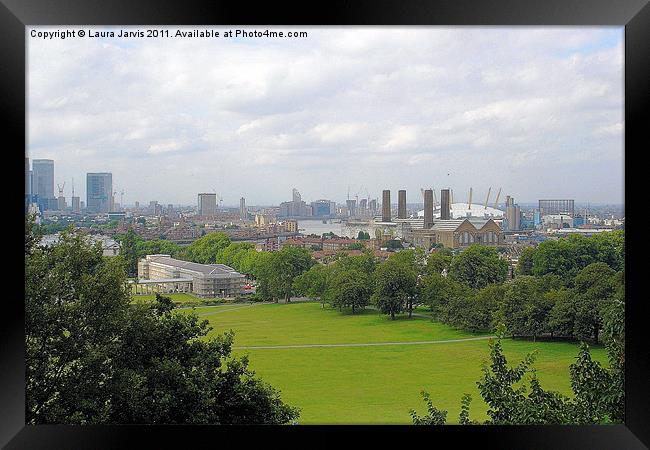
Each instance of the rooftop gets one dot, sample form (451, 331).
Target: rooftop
(217, 270)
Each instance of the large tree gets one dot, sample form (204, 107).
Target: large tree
(595, 285)
(483, 308)
(205, 249)
(438, 261)
(312, 283)
(478, 265)
(234, 254)
(349, 288)
(562, 317)
(395, 286)
(437, 291)
(93, 357)
(524, 310)
(129, 251)
(565, 257)
(277, 272)
(525, 261)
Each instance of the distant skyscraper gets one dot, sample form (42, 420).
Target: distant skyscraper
(321, 208)
(99, 192)
(373, 206)
(243, 213)
(61, 203)
(43, 178)
(352, 207)
(513, 215)
(76, 205)
(207, 205)
(296, 196)
(401, 204)
(445, 206)
(385, 206)
(155, 208)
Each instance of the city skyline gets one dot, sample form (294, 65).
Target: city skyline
(536, 111)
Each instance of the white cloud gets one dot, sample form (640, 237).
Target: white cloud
(382, 107)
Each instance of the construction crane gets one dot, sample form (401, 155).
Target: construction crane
(60, 188)
(496, 202)
(487, 199)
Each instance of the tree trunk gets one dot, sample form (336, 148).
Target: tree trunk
(410, 309)
(392, 315)
(352, 308)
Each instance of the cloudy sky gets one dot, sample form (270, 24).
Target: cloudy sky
(536, 111)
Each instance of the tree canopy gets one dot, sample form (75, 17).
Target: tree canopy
(94, 357)
(205, 249)
(477, 266)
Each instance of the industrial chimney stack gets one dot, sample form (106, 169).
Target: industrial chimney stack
(444, 205)
(428, 208)
(385, 206)
(401, 204)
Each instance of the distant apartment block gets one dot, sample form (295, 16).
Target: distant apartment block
(207, 205)
(552, 207)
(99, 192)
(291, 226)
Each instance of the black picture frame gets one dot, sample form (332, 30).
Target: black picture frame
(15, 15)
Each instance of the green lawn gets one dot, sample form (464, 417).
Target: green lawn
(376, 384)
(178, 298)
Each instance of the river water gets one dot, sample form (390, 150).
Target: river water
(317, 227)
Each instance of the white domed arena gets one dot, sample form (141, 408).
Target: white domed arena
(462, 210)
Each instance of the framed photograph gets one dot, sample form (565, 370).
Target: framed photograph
(390, 218)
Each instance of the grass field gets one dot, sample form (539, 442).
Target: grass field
(375, 384)
(180, 299)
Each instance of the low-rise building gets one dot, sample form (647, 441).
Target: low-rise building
(203, 280)
(457, 233)
(557, 221)
(337, 244)
(291, 226)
